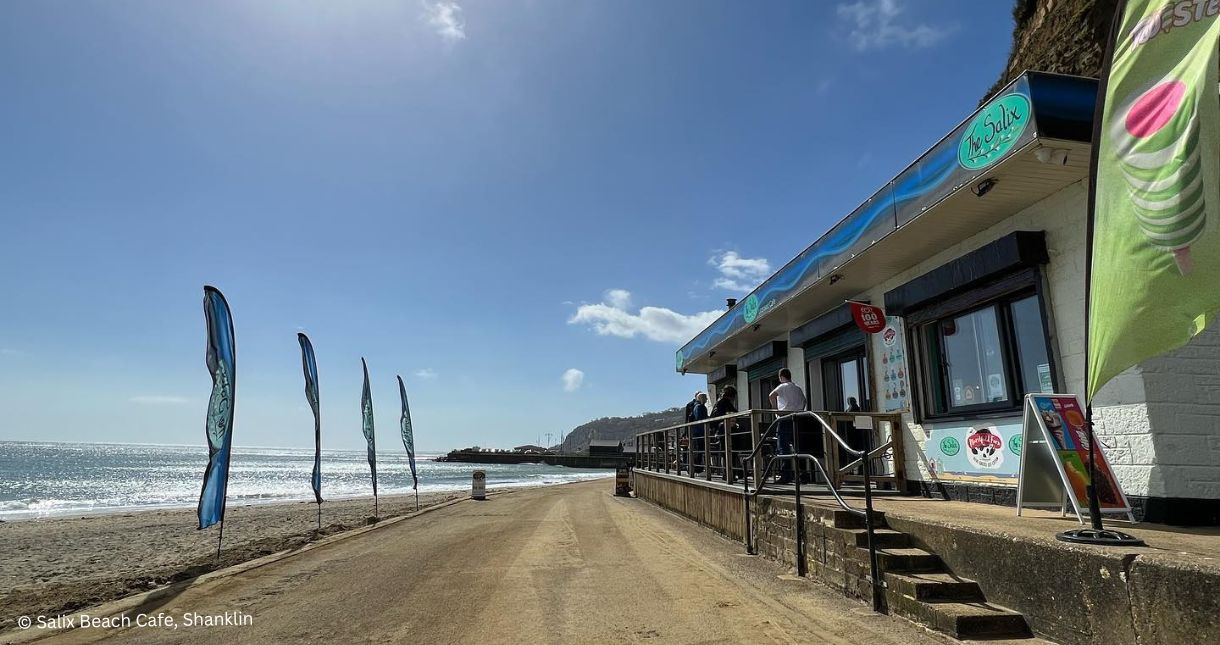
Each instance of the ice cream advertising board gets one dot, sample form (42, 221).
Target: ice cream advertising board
(1058, 442)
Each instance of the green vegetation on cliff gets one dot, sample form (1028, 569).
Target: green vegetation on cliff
(619, 428)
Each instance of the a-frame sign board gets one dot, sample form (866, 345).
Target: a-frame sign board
(1055, 460)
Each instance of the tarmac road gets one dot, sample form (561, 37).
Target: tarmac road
(565, 564)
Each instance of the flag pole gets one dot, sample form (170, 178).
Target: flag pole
(220, 540)
(1096, 533)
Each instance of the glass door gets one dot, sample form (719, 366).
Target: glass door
(845, 382)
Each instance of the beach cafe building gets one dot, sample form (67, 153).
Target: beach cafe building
(976, 252)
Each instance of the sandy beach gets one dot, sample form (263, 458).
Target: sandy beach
(57, 565)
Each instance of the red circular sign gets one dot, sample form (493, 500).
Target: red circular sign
(868, 318)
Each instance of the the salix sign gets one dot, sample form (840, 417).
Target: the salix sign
(993, 132)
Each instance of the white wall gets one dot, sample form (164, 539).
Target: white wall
(796, 364)
(743, 390)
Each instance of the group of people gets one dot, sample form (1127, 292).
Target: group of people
(786, 399)
(696, 411)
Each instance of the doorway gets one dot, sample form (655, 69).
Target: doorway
(845, 379)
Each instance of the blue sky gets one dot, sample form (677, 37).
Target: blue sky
(482, 196)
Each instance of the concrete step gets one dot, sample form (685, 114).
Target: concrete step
(934, 587)
(841, 519)
(976, 620)
(884, 538)
(904, 560)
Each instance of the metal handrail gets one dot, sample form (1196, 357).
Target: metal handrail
(647, 440)
(826, 426)
(799, 524)
(761, 439)
(804, 456)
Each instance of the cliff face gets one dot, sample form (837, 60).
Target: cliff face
(1062, 36)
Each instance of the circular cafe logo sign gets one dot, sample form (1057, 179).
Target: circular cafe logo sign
(1015, 444)
(751, 309)
(950, 446)
(993, 132)
(985, 448)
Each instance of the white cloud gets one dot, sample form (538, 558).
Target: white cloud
(877, 24)
(8, 351)
(618, 298)
(427, 373)
(158, 399)
(654, 323)
(573, 379)
(446, 18)
(738, 273)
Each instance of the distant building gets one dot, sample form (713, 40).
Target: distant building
(605, 448)
(529, 448)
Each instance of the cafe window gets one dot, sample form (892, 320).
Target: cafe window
(986, 358)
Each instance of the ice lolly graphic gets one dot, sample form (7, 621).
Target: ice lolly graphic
(1156, 141)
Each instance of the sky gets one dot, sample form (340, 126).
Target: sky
(522, 207)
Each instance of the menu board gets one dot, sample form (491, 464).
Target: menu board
(1058, 422)
(895, 379)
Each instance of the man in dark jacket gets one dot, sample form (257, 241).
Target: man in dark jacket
(723, 430)
(697, 432)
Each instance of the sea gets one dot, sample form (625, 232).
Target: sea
(43, 479)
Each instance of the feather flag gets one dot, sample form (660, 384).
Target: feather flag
(408, 437)
(1156, 215)
(310, 366)
(366, 413)
(222, 364)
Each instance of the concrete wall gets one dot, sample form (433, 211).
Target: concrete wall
(831, 555)
(716, 506)
(1072, 594)
(1080, 595)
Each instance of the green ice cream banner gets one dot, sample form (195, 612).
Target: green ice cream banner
(1156, 250)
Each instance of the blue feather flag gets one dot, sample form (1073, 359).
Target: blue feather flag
(222, 364)
(366, 412)
(408, 437)
(310, 366)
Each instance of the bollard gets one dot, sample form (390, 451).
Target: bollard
(478, 485)
(622, 481)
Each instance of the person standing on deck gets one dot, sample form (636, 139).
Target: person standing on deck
(697, 432)
(726, 404)
(787, 398)
(690, 407)
(685, 435)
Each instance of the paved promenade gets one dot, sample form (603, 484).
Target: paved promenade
(569, 564)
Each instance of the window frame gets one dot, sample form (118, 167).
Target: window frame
(931, 401)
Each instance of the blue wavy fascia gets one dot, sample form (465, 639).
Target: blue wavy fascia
(924, 177)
